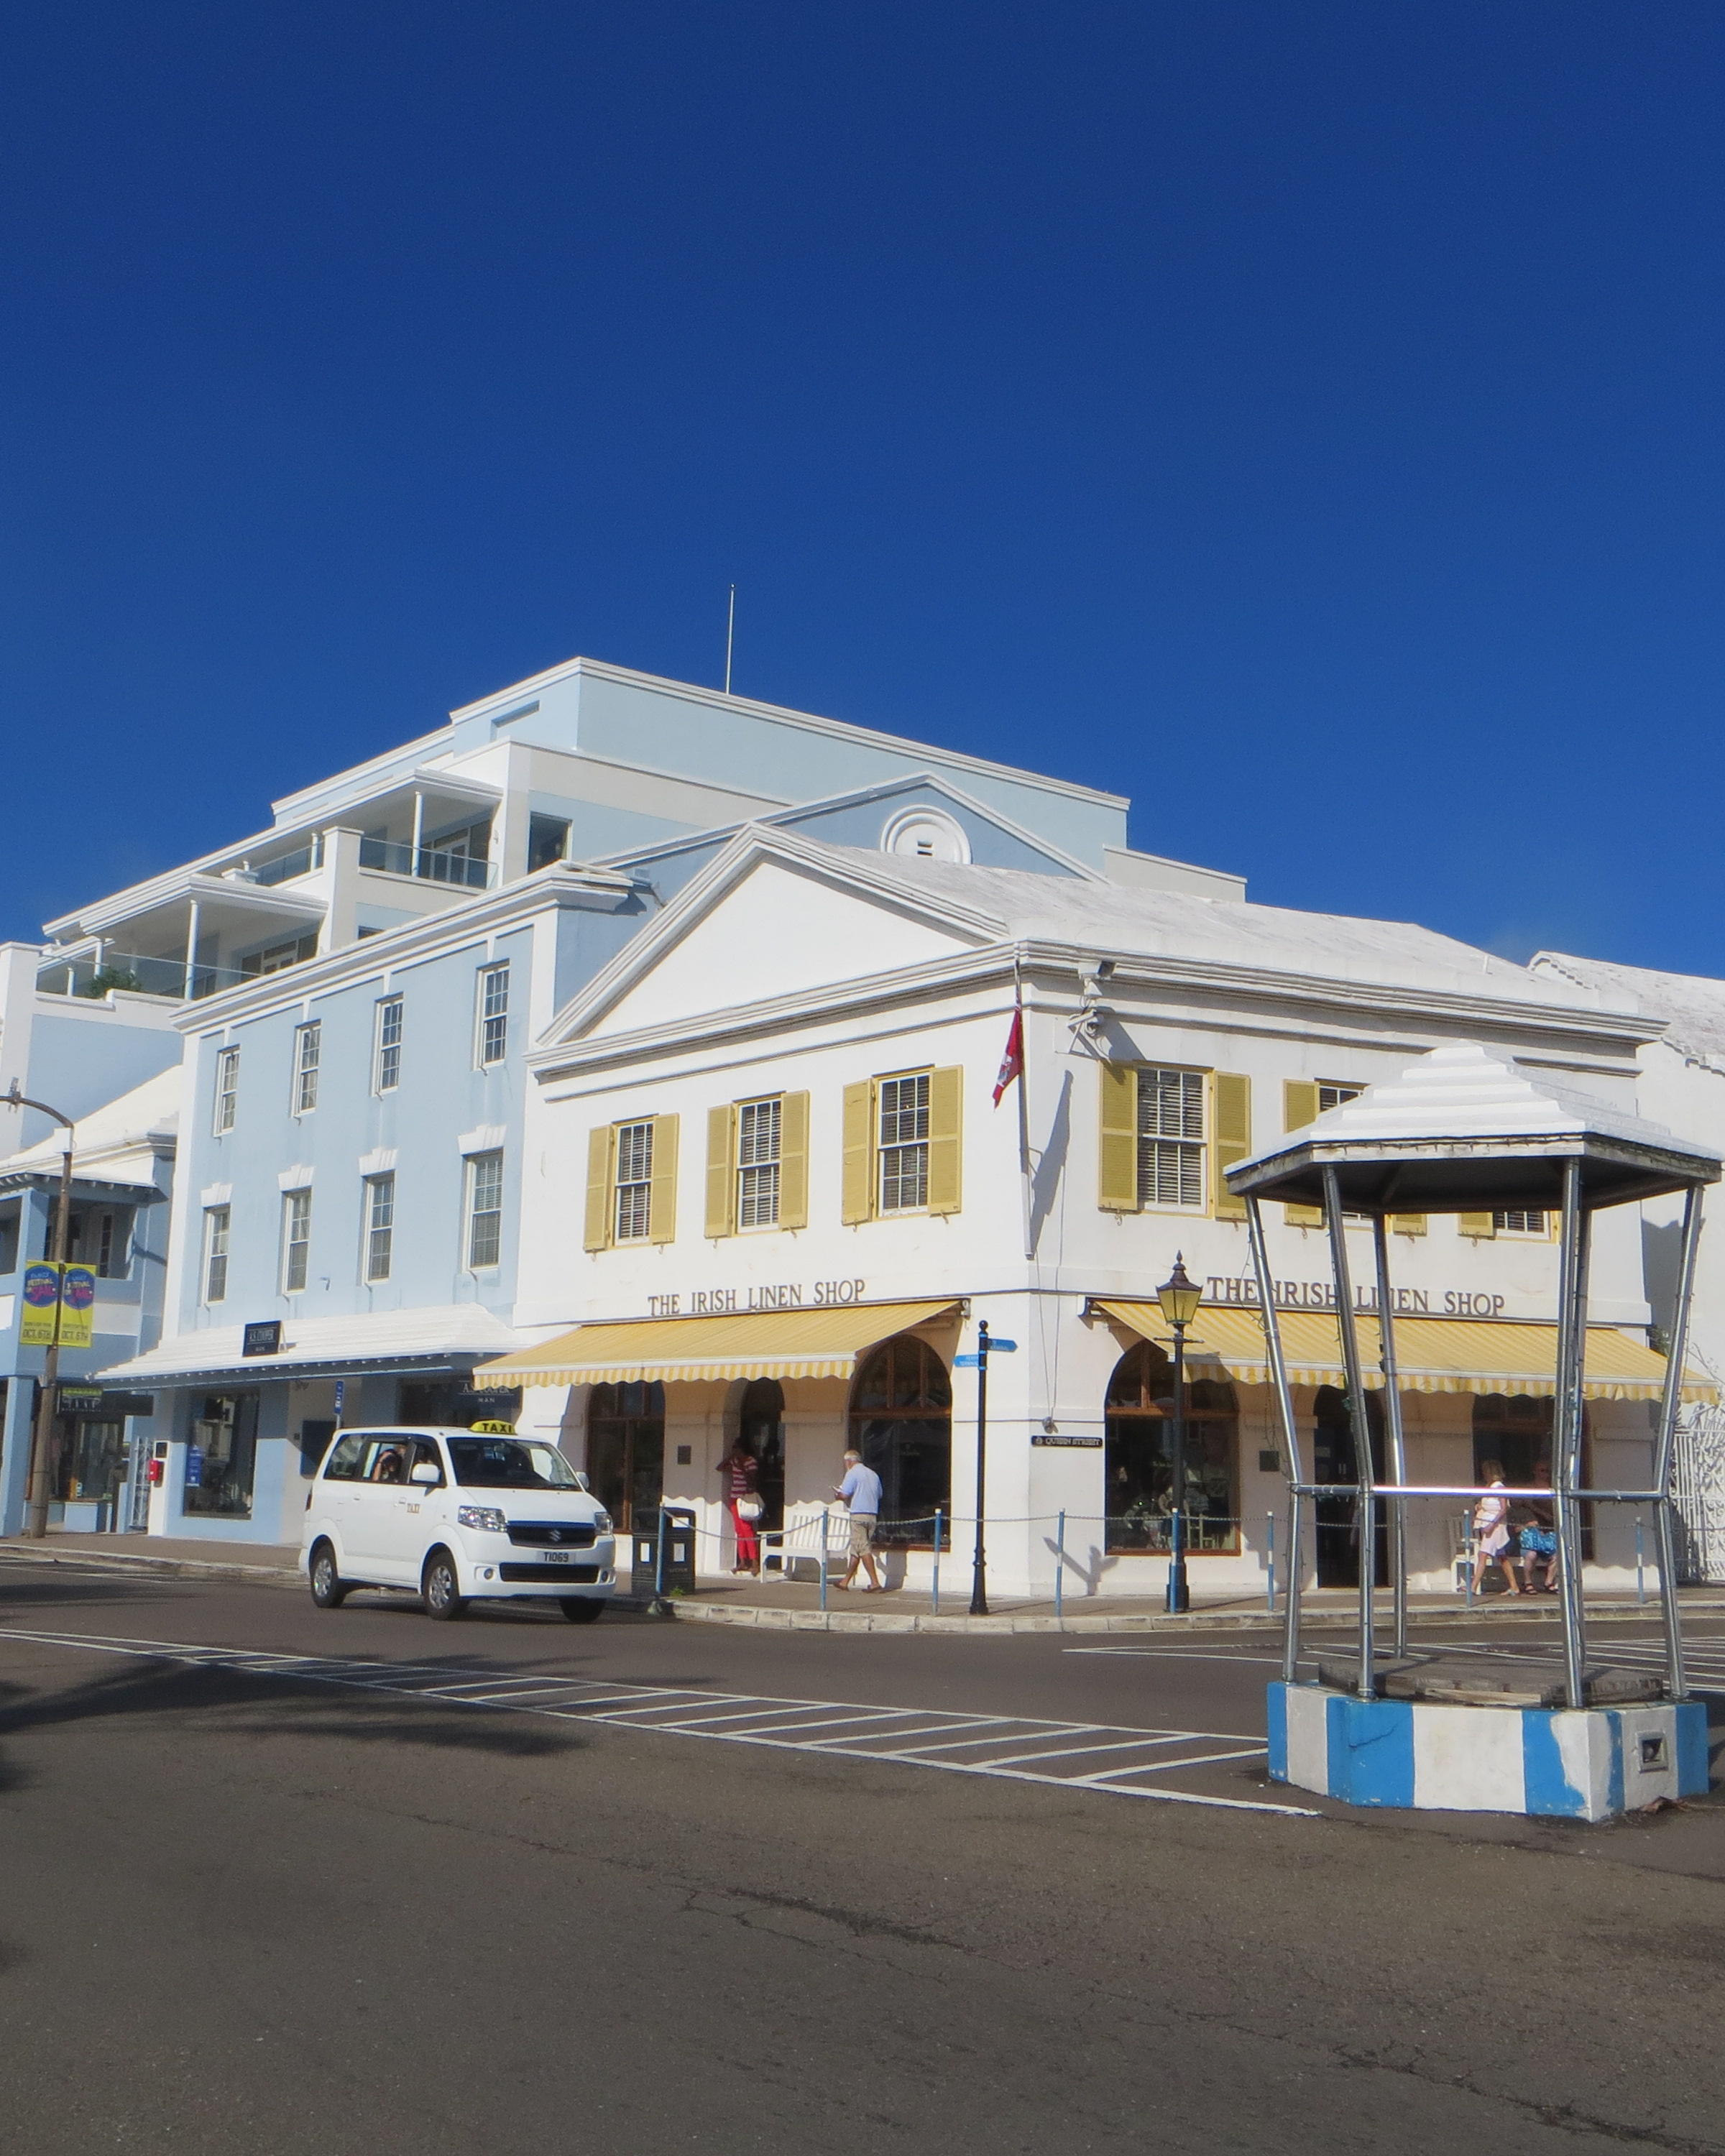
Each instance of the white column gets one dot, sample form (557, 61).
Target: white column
(191, 947)
(418, 830)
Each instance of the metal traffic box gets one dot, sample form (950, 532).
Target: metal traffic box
(662, 1552)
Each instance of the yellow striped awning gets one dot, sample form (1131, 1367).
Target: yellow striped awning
(1433, 1354)
(762, 1344)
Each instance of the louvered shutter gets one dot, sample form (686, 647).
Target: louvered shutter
(1231, 1117)
(662, 1195)
(1299, 1107)
(598, 1236)
(946, 1139)
(1118, 1167)
(1407, 1223)
(1477, 1223)
(856, 1199)
(720, 1170)
(793, 1161)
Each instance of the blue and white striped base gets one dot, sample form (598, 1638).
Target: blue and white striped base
(1543, 1761)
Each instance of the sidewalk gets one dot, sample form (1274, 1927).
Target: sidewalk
(795, 1605)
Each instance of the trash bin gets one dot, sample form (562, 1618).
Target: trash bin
(662, 1550)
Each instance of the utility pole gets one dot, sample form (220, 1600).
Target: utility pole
(48, 1400)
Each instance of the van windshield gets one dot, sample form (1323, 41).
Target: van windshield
(510, 1463)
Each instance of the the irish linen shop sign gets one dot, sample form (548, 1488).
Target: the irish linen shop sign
(775, 1295)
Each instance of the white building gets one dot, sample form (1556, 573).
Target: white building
(766, 1179)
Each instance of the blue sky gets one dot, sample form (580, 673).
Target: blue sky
(1303, 417)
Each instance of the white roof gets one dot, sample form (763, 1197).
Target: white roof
(141, 1122)
(1233, 931)
(1692, 1004)
(455, 1330)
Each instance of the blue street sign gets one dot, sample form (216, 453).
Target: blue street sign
(967, 1362)
(999, 1347)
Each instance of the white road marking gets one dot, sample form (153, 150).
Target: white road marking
(714, 1716)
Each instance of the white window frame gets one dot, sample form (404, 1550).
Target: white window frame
(632, 1193)
(385, 1050)
(218, 1228)
(760, 1156)
(308, 1055)
(1501, 1217)
(295, 1212)
(1186, 1154)
(226, 1113)
(490, 1045)
(489, 1166)
(1339, 1095)
(905, 1151)
(379, 1198)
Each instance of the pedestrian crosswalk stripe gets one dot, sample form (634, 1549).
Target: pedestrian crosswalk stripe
(909, 1737)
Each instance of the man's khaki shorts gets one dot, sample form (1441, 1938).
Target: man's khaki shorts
(862, 1533)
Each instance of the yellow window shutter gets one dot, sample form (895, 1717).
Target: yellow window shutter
(856, 1200)
(1477, 1223)
(1231, 1113)
(793, 1161)
(945, 1140)
(720, 1170)
(662, 1194)
(1117, 1169)
(1407, 1223)
(1299, 1107)
(598, 1189)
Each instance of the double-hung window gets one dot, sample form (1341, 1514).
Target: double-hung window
(493, 1014)
(633, 1220)
(216, 1221)
(386, 1074)
(380, 1226)
(295, 1240)
(760, 1126)
(484, 1209)
(1520, 1222)
(903, 1143)
(1171, 1139)
(227, 1089)
(308, 1047)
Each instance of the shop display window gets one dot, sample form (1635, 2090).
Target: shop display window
(1140, 1467)
(625, 1450)
(222, 1458)
(901, 1423)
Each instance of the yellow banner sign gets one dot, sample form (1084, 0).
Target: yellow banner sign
(58, 1305)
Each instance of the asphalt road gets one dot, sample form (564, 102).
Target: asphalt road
(280, 1881)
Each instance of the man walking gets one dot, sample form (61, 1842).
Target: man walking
(860, 1493)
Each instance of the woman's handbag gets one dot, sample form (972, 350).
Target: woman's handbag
(749, 1509)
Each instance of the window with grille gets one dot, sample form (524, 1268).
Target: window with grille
(1171, 1137)
(307, 1049)
(903, 1143)
(759, 1125)
(227, 1089)
(634, 1181)
(484, 1209)
(494, 1013)
(1514, 1223)
(388, 1060)
(380, 1225)
(216, 1221)
(295, 1241)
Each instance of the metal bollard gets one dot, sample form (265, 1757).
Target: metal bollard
(1467, 1555)
(936, 1610)
(1641, 1580)
(825, 1516)
(1270, 1554)
(1059, 1569)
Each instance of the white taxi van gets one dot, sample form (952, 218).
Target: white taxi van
(457, 1516)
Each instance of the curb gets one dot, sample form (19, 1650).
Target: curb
(181, 1568)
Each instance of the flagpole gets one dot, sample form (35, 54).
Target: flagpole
(1018, 1002)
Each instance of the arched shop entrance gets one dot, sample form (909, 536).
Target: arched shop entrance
(760, 1431)
(1140, 1465)
(901, 1423)
(1337, 1518)
(625, 1450)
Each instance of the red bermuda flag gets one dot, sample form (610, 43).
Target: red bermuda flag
(1012, 1064)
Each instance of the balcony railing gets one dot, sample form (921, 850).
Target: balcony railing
(298, 863)
(429, 863)
(84, 975)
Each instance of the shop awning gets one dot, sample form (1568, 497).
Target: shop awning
(424, 1342)
(1433, 1354)
(767, 1343)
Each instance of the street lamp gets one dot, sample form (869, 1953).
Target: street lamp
(1180, 1298)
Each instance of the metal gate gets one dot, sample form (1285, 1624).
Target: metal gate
(1700, 1480)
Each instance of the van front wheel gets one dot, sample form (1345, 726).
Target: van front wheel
(581, 1609)
(442, 1589)
(329, 1590)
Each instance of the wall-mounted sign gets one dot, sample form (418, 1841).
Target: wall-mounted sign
(777, 1295)
(1321, 1294)
(262, 1339)
(1067, 1444)
(194, 1467)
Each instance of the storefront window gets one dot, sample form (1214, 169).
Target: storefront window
(452, 1404)
(89, 1461)
(222, 1457)
(1337, 1519)
(1513, 1433)
(1140, 1457)
(901, 1423)
(760, 1430)
(625, 1450)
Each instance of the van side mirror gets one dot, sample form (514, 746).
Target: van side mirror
(426, 1475)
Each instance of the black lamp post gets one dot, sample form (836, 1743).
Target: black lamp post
(1180, 1298)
